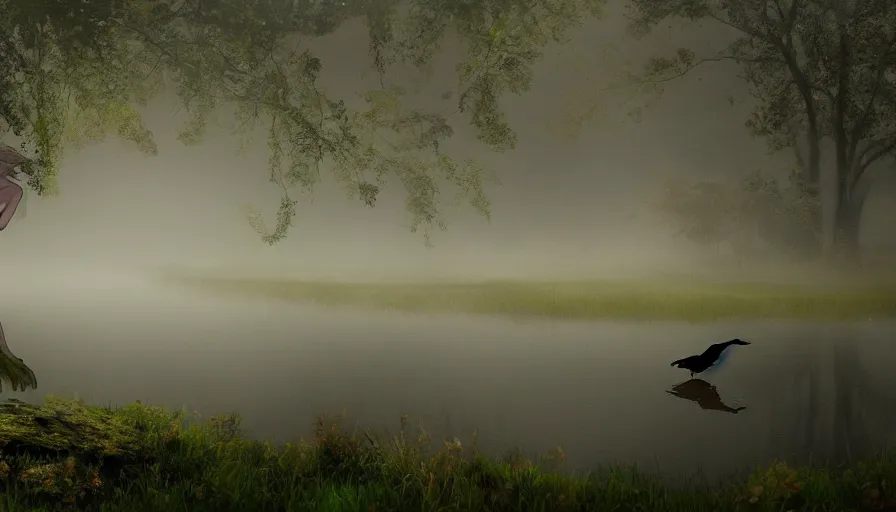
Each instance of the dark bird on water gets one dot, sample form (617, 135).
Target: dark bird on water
(703, 394)
(714, 354)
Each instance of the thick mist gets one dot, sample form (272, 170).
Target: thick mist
(566, 206)
(84, 308)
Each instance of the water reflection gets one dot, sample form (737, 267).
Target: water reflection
(704, 394)
(518, 383)
(844, 404)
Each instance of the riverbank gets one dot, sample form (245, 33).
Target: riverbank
(580, 300)
(149, 459)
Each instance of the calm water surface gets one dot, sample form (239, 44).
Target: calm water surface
(599, 389)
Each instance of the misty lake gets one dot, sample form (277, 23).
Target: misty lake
(599, 389)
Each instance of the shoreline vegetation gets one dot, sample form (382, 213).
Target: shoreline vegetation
(640, 300)
(64, 454)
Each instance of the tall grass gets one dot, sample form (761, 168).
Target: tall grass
(624, 300)
(157, 461)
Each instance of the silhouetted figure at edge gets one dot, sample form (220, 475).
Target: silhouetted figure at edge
(712, 355)
(13, 370)
(705, 394)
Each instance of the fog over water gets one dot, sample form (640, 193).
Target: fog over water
(598, 389)
(82, 306)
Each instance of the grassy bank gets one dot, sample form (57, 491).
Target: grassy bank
(632, 300)
(67, 455)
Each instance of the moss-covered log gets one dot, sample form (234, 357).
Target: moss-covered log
(66, 450)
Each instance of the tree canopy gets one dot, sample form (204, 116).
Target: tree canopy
(74, 71)
(819, 70)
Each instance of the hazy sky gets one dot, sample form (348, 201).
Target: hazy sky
(566, 205)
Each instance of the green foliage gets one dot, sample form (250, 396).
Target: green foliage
(210, 465)
(68, 81)
(72, 74)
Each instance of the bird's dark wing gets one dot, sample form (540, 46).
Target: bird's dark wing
(715, 350)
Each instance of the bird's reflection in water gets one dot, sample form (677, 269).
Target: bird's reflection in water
(705, 394)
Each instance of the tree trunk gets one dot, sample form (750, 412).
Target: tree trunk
(850, 205)
(847, 241)
(809, 161)
(85, 449)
